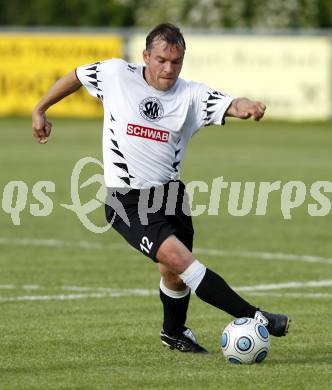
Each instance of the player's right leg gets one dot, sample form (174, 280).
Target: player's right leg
(175, 296)
(212, 288)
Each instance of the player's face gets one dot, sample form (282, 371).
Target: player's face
(163, 64)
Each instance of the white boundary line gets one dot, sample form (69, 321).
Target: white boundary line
(61, 297)
(98, 295)
(200, 251)
(147, 292)
(66, 297)
(106, 292)
(282, 286)
(294, 295)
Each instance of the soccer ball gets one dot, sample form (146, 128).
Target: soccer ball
(245, 341)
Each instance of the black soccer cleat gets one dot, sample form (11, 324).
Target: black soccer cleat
(184, 342)
(276, 324)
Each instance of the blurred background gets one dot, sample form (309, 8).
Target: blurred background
(279, 52)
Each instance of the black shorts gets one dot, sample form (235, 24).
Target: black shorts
(147, 235)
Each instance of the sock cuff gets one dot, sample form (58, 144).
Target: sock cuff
(193, 275)
(172, 293)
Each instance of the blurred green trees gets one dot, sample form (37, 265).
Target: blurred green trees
(189, 13)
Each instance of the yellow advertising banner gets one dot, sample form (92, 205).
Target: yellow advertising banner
(31, 63)
(291, 74)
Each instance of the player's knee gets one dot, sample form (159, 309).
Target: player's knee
(174, 255)
(172, 279)
(175, 261)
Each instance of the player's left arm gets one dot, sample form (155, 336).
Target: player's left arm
(244, 108)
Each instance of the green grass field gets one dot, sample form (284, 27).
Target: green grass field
(71, 313)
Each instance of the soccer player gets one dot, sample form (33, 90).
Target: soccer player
(150, 114)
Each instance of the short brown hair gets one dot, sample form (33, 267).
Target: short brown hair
(167, 32)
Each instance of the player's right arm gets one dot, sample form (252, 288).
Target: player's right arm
(41, 126)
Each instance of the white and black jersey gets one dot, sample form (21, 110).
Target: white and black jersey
(146, 130)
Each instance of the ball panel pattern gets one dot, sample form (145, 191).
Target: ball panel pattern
(261, 356)
(245, 341)
(234, 360)
(240, 321)
(224, 340)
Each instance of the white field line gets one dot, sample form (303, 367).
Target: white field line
(200, 251)
(293, 295)
(282, 286)
(264, 255)
(98, 295)
(258, 287)
(147, 292)
(106, 292)
(60, 297)
(64, 297)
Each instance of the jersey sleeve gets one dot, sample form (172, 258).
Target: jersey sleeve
(209, 105)
(92, 77)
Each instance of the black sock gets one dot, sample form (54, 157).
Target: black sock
(175, 313)
(215, 291)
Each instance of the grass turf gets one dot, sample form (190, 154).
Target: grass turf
(112, 342)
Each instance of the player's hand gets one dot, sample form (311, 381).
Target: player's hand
(250, 109)
(41, 126)
(244, 108)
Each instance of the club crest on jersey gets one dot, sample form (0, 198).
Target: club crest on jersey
(151, 109)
